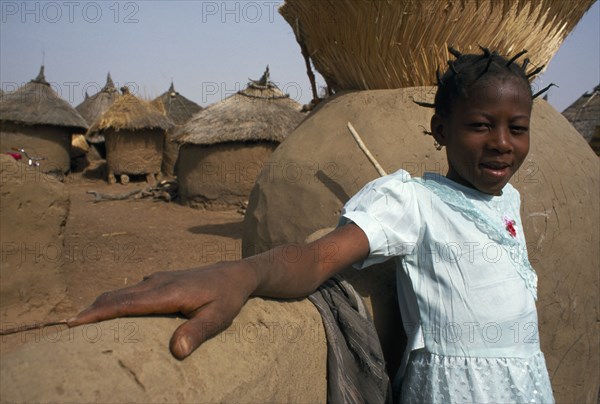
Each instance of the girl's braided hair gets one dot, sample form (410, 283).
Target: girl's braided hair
(467, 69)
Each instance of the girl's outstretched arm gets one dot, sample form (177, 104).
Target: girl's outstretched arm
(212, 296)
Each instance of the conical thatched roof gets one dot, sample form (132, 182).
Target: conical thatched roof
(131, 113)
(93, 107)
(178, 108)
(376, 44)
(584, 113)
(36, 103)
(260, 112)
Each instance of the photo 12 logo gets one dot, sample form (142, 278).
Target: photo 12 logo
(239, 11)
(69, 11)
(218, 91)
(117, 332)
(70, 91)
(30, 253)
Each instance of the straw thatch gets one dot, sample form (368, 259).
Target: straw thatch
(131, 113)
(376, 44)
(92, 108)
(584, 113)
(260, 112)
(178, 108)
(36, 103)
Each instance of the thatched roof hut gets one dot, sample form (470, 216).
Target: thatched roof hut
(134, 130)
(36, 119)
(403, 42)
(225, 145)
(584, 114)
(179, 109)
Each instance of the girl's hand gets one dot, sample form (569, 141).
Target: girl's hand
(209, 297)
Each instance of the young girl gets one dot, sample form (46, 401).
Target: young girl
(466, 289)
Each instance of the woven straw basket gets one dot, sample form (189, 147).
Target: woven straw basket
(375, 44)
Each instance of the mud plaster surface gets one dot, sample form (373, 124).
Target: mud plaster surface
(274, 351)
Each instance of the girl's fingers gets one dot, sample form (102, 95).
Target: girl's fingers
(191, 334)
(139, 299)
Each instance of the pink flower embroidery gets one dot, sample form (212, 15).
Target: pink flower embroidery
(509, 225)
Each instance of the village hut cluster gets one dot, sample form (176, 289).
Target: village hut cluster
(216, 153)
(223, 147)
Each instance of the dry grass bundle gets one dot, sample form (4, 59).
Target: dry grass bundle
(36, 103)
(376, 44)
(131, 113)
(260, 112)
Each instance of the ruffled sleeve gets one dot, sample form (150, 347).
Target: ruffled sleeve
(387, 211)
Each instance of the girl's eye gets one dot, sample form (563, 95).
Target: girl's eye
(519, 130)
(480, 126)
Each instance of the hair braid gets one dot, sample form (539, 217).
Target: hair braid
(469, 69)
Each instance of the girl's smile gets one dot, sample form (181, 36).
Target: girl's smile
(486, 134)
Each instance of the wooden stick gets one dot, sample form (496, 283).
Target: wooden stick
(365, 150)
(306, 56)
(100, 197)
(27, 327)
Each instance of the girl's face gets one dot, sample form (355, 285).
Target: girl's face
(487, 135)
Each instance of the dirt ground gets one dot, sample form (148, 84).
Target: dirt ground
(112, 244)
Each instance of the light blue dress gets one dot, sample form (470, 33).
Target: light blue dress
(465, 286)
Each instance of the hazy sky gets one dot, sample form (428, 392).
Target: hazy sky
(208, 48)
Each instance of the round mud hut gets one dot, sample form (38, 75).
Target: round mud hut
(134, 132)
(584, 115)
(179, 110)
(36, 119)
(224, 147)
(92, 108)
(392, 60)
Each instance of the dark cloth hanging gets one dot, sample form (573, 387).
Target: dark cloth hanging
(356, 370)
